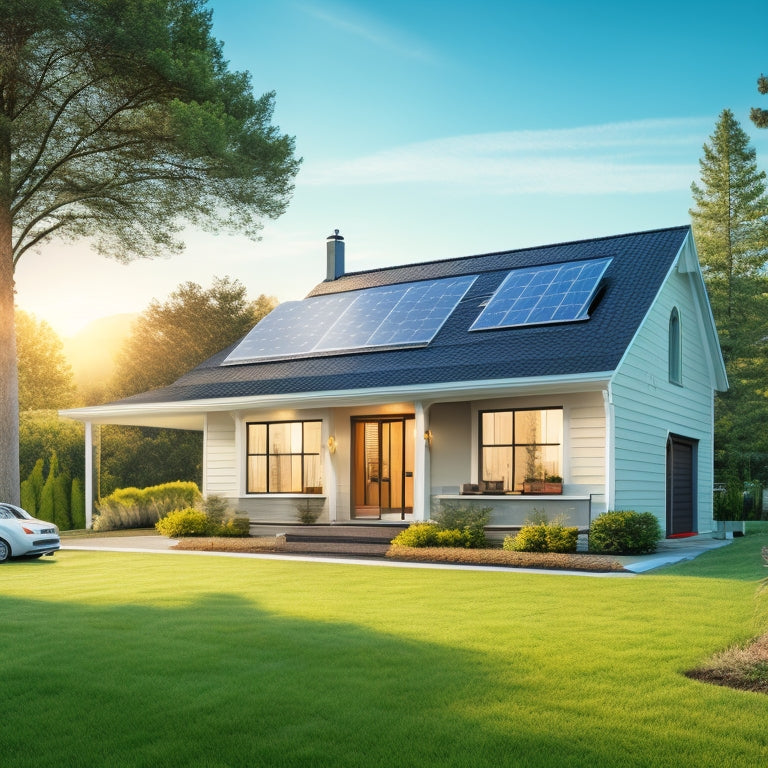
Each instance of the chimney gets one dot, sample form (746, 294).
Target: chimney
(335, 251)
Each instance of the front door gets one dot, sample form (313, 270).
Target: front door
(382, 467)
(681, 486)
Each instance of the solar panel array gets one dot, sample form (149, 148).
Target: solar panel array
(408, 314)
(552, 293)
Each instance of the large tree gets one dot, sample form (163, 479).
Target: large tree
(119, 121)
(45, 376)
(194, 323)
(730, 224)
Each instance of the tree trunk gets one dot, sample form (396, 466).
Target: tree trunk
(9, 384)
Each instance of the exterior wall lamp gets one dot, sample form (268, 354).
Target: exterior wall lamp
(332, 444)
(428, 437)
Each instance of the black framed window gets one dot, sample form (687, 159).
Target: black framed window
(284, 457)
(521, 445)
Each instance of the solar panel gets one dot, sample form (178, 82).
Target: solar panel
(407, 314)
(554, 293)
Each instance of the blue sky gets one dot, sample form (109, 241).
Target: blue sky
(437, 129)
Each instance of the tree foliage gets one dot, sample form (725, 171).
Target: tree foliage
(119, 121)
(760, 116)
(730, 224)
(194, 323)
(142, 456)
(45, 376)
(43, 433)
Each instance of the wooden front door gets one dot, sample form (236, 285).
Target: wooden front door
(382, 467)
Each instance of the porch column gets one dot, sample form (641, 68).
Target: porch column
(422, 483)
(610, 449)
(329, 484)
(88, 475)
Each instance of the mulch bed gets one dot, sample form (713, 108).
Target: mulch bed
(489, 557)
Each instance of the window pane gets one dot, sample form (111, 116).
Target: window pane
(280, 438)
(313, 478)
(550, 460)
(539, 426)
(528, 427)
(257, 474)
(497, 428)
(552, 426)
(528, 462)
(497, 465)
(257, 438)
(285, 474)
(312, 430)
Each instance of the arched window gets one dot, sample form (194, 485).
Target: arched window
(675, 349)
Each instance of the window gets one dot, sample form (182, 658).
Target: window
(520, 445)
(284, 457)
(675, 354)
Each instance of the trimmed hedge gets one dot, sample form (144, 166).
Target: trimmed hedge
(452, 526)
(543, 537)
(624, 533)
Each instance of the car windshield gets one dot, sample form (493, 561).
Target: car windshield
(12, 513)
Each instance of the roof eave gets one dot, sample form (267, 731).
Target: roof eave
(189, 414)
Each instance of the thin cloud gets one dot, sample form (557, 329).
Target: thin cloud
(372, 30)
(633, 157)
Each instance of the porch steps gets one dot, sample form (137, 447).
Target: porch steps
(351, 540)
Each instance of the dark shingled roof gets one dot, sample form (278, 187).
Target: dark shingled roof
(640, 263)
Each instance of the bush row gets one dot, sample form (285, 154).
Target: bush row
(612, 533)
(143, 507)
(452, 526)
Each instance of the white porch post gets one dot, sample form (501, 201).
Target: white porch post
(329, 442)
(88, 475)
(610, 449)
(422, 483)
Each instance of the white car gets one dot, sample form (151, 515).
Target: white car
(22, 535)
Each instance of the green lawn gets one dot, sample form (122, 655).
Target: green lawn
(119, 659)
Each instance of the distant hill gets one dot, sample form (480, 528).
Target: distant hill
(91, 352)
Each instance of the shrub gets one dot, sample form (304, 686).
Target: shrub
(186, 522)
(470, 521)
(562, 539)
(308, 510)
(417, 535)
(143, 507)
(543, 537)
(624, 533)
(530, 538)
(540, 535)
(234, 526)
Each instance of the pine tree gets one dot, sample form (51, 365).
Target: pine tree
(77, 504)
(730, 225)
(46, 510)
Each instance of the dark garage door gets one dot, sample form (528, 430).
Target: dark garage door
(681, 486)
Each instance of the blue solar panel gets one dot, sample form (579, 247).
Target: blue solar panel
(554, 293)
(407, 314)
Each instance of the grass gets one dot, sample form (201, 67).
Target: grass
(121, 659)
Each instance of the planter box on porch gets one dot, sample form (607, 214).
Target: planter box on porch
(542, 487)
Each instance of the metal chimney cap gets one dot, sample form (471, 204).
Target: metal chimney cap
(335, 235)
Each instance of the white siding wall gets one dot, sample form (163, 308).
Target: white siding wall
(647, 407)
(220, 458)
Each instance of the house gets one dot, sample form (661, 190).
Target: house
(569, 378)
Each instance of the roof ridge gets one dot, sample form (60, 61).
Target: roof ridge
(499, 253)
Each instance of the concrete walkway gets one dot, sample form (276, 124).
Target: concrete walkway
(669, 551)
